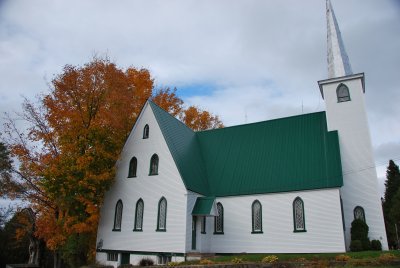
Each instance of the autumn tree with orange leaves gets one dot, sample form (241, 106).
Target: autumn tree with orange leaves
(68, 152)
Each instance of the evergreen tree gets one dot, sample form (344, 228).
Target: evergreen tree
(392, 186)
(395, 216)
(359, 232)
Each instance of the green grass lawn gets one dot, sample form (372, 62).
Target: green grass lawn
(357, 259)
(308, 256)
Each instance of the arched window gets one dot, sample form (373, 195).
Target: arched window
(298, 215)
(359, 213)
(154, 165)
(146, 132)
(162, 215)
(219, 220)
(342, 93)
(139, 215)
(118, 216)
(256, 217)
(132, 168)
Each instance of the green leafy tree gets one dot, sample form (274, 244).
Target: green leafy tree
(390, 203)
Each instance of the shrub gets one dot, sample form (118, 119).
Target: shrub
(386, 258)
(173, 263)
(236, 260)
(206, 262)
(366, 244)
(146, 262)
(376, 245)
(301, 260)
(126, 266)
(359, 231)
(342, 257)
(356, 245)
(270, 259)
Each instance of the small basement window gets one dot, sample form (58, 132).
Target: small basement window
(112, 256)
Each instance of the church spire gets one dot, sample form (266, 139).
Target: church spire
(338, 61)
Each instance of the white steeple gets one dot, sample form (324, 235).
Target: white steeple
(338, 61)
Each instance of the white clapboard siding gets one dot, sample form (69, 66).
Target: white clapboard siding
(166, 184)
(359, 174)
(323, 224)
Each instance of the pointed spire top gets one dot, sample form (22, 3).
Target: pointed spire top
(338, 61)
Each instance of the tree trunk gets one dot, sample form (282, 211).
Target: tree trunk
(57, 260)
(34, 251)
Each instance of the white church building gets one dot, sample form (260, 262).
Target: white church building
(288, 185)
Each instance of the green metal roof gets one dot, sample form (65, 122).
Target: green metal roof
(203, 206)
(287, 154)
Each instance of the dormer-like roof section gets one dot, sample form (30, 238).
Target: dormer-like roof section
(281, 155)
(184, 147)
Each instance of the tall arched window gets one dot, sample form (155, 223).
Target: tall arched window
(359, 213)
(118, 216)
(154, 165)
(219, 220)
(298, 215)
(139, 215)
(342, 93)
(162, 215)
(146, 132)
(132, 168)
(256, 217)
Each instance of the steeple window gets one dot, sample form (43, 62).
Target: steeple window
(342, 93)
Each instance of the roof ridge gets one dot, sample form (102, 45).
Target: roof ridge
(260, 122)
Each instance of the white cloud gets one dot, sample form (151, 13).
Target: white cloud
(261, 58)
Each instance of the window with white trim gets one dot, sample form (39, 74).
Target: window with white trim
(118, 216)
(139, 215)
(154, 165)
(146, 131)
(132, 167)
(162, 215)
(359, 213)
(219, 220)
(298, 215)
(256, 215)
(342, 93)
(203, 224)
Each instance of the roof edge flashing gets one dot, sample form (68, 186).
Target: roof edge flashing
(321, 83)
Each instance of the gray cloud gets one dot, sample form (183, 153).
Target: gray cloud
(261, 58)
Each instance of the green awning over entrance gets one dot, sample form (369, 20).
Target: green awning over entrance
(204, 206)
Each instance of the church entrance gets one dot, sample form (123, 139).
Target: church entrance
(194, 219)
(125, 258)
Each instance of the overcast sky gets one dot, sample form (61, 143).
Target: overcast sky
(244, 60)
